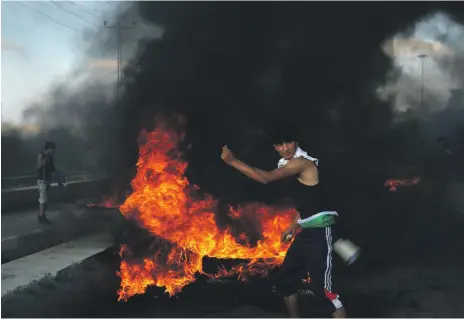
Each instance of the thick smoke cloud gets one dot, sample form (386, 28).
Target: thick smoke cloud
(80, 125)
(77, 110)
(238, 69)
(236, 76)
(442, 109)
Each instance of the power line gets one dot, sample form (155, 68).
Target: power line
(82, 8)
(75, 14)
(48, 17)
(93, 9)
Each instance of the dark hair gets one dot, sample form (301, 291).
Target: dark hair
(49, 146)
(282, 134)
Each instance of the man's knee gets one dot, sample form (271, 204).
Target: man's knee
(42, 199)
(287, 289)
(285, 283)
(42, 192)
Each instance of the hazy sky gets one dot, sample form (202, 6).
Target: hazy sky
(37, 51)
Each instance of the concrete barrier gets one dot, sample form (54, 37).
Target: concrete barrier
(20, 272)
(27, 197)
(70, 292)
(25, 236)
(69, 279)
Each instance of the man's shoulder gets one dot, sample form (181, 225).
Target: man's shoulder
(302, 161)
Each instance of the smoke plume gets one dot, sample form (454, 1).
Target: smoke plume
(238, 69)
(77, 111)
(431, 92)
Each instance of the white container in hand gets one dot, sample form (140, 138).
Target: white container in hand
(348, 251)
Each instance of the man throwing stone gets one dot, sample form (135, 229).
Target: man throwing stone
(311, 251)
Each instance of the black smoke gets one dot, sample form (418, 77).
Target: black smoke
(238, 69)
(78, 113)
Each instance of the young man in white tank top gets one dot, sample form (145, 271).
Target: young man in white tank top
(305, 170)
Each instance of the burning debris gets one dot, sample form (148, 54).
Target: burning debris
(163, 203)
(307, 280)
(104, 204)
(393, 184)
(110, 201)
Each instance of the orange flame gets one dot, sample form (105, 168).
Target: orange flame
(106, 202)
(395, 183)
(162, 203)
(307, 280)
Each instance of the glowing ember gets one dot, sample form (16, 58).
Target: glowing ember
(162, 203)
(106, 202)
(307, 280)
(394, 183)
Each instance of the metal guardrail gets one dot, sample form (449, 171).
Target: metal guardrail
(31, 180)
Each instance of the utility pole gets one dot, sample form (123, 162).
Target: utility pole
(422, 57)
(118, 28)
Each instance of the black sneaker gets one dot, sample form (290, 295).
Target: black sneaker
(43, 220)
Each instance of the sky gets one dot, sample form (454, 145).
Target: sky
(37, 51)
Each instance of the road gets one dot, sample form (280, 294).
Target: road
(23, 235)
(393, 281)
(25, 222)
(404, 291)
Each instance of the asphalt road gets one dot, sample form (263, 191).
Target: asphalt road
(410, 269)
(407, 291)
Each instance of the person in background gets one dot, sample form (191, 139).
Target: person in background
(45, 170)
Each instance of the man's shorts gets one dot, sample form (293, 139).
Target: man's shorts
(310, 252)
(43, 190)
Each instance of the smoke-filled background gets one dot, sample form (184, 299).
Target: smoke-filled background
(341, 78)
(345, 77)
(338, 77)
(76, 111)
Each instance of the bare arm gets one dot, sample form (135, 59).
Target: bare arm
(294, 224)
(40, 161)
(291, 230)
(294, 167)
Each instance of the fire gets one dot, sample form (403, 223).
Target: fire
(307, 280)
(163, 202)
(106, 202)
(394, 183)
